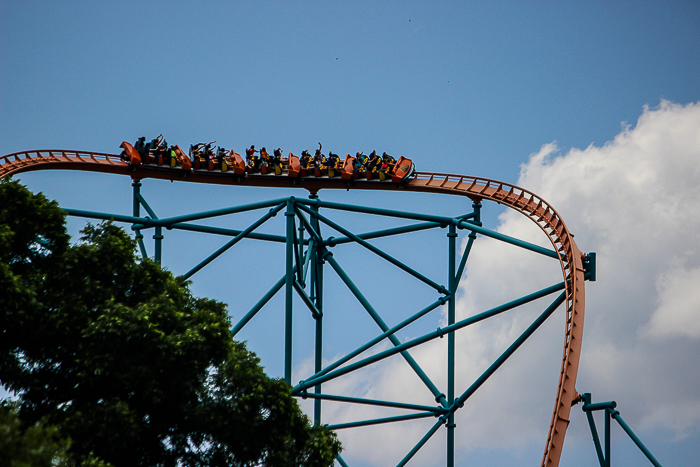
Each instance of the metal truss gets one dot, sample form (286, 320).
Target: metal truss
(309, 257)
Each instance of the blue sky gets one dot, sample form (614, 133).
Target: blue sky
(550, 95)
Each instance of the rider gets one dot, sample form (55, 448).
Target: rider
(305, 160)
(333, 160)
(318, 157)
(278, 157)
(164, 152)
(373, 162)
(250, 158)
(140, 146)
(361, 161)
(277, 161)
(388, 163)
(208, 152)
(220, 155)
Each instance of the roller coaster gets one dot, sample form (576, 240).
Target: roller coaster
(305, 257)
(203, 158)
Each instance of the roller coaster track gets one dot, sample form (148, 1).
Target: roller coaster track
(477, 189)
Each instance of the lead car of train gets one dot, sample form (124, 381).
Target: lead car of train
(203, 158)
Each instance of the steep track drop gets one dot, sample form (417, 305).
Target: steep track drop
(475, 188)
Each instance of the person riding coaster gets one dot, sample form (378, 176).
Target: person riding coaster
(252, 161)
(372, 165)
(364, 163)
(220, 162)
(277, 161)
(386, 167)
(195, 153)
(162, 153)
(209, 155)
(169, 158)
(319, 161)
(305, 163)
(140, 146)
(359, 160)
(202, 155)
(265, 162)
(333, 165)
(153, 150)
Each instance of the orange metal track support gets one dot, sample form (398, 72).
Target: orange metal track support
(477, 189)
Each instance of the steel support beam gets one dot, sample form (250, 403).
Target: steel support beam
(258, 306)
(610, 412)
(509, 351)
(438, 410)
(451, 240)
(317, 291)
(136, 210)
(440, 332)
(439, 397)
(272, 213)
(380, 421)
(380, 253)
(441, 421)
(289, 293)
(381, 337)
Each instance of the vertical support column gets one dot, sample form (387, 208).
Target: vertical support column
(300, 266)
(476, 205)
(317, 282)
(319, 335)
(289, 274)
(158, 237)
(136, 212)
(452, 240)
(136, 183)
(607, 437)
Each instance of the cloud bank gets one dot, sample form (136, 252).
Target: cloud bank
(635, 201)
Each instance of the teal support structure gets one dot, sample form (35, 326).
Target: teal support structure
(610, 412)
(136, 184)
(439, 397)
(158, 237)
(306, 253)
(317, 293)
(289, 293)
(243, 234)
(439, 333)
(452, 237)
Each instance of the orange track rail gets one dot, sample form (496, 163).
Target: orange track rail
(477, 189)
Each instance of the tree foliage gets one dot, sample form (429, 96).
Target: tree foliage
(38, 445)
(35, 446)
(118, 354)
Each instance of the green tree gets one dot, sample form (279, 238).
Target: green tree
(35, 446)
(38, 445)
(118, 354)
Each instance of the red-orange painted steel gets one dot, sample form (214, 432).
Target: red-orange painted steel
(476, 188)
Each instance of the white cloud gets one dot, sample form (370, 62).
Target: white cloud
(678, 313)
(636, 202)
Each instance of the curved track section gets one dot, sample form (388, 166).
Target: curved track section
(57, 159)
(570, 258)
(477, 189)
